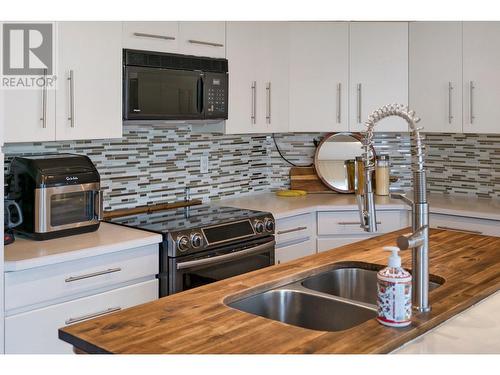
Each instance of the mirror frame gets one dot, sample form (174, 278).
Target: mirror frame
(359, 136)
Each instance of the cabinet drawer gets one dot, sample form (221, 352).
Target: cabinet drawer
(295, 249)
(77, 278)
(325, 244)
(347, 222)
(465, 224)
(36, 331)
(295, 228)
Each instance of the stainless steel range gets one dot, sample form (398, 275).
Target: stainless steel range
(203, 244)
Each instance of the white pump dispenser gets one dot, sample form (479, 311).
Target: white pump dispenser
(394, 292)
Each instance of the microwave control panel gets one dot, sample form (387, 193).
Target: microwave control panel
(216, 95)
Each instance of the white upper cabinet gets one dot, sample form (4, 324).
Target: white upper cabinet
(481, 78)
(203, 38)
(28, 114)
(151, 36)
(378, 72)
(436, 75)
(257, 54)
(89, 80)
(319, 73)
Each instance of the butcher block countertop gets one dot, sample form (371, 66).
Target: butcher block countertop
(199, 321)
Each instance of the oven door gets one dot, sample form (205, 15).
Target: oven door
(65, 207)
(218, 264)
(162, 94)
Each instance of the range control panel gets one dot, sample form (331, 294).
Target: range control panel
(215, 95)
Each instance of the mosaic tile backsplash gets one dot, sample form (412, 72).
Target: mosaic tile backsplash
(154, 164)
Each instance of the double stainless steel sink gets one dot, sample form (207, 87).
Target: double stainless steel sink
(334, 300)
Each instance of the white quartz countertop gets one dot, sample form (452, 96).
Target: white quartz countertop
(474, 331)
(288, 206)
(25, 253)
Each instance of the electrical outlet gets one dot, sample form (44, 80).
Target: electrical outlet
(204, 164)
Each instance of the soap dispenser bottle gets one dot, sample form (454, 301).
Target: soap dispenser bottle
(394, 292)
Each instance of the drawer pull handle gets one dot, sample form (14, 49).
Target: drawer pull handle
(459, 230)
(154, 36)
(353, 222)
(93, 315)
(98, 273)
(298, 229)
(192, 41)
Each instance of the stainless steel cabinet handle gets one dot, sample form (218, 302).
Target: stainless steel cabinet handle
(359, 89)
(94, 274)
(155, 36)
(71, 81)
(268, 106)
(44, 100)
(224, 258)
(192, 41)
(471, 101)
(352, 222)
(93, 315)
(459, 229)
(339, 95)
(291, 230)
(254, 102)
(450, 113)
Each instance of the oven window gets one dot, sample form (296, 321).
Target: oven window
(69, 208)
(199, 277)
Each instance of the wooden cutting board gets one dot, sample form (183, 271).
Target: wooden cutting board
(306, 178)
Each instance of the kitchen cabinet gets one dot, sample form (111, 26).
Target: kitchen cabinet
(295, 237)
(89, 100)
(85, 102)
(36, 331)
(378, 72)
(161, 36)
(203, 38)
(481, 81)
(486, 227)
(436, 75)
(257, 54)
(319, 74)
(42, 299)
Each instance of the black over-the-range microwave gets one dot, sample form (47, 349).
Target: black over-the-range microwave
(167, 86)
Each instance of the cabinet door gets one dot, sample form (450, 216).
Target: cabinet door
(28, 114)
(203, 38)
(319, 72)
(36, 332)
(243, 39)
(481, 81)
(436, 75)
(151, 36)
(295, 249)
(89, 80)
(379, 72)
(274, 89)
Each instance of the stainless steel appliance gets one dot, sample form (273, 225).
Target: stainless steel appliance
(203, 244)
(166, 86)
(59, 194)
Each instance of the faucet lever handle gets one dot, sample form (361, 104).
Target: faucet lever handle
(403, 197)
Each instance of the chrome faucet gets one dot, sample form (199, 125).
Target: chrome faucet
(418, 241)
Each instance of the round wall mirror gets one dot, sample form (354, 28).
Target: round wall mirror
(335, 160)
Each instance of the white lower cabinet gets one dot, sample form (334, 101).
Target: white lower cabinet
(465, 224)
(295, 249)
(36, 332)
(295, 237)
(328, 243)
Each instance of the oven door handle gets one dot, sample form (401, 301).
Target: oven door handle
(223, 258)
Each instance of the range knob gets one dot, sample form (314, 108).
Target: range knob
(182, 243)
(259, 226)
(196, 240)
(269, 224)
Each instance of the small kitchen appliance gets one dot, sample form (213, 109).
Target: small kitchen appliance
(59, 194)
(203, 244)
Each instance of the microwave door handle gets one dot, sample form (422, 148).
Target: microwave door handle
(199, 95)
(98, 205)
(226, 257)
